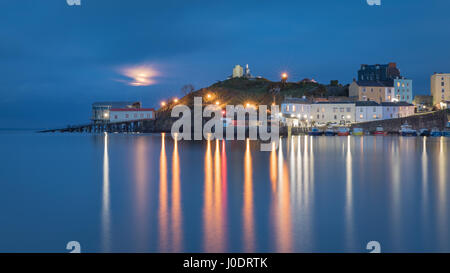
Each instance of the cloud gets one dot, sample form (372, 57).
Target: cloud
(140, 75)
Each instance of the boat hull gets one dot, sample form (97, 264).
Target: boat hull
(343, 134)
(315, 133)
(435, 134)
(379, 133)
(406, 134)
(358, 134)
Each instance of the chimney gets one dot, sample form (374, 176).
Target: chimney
(393, 65)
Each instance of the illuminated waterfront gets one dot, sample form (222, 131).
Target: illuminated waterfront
(148, 193)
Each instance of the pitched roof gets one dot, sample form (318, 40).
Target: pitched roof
(297, 100)
(366, 103)
(375, 83)
(401, 103)
(115, 104)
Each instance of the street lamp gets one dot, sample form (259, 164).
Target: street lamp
(163, 103)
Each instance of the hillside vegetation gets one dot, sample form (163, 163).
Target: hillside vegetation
(241, 91)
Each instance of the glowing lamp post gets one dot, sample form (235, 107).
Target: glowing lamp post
(163, 103)
(284, 77)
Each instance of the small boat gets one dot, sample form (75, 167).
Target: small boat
(446, 131)
(379, 131)
(357, 131)
(424, 132)
(407, 130)
(435, 132)
(343, 131)
(315, 132)
(330, 132)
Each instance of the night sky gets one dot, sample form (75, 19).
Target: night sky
(56, 59)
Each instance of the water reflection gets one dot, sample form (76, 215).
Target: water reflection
(281, 210)
(273, 167)
(163, 199)
(349, 194)
(442, 194)
(177, 231)
(215, 194)
(395, 183)
(106, 232)
(249, 236)
(142, 202)
(297, 195)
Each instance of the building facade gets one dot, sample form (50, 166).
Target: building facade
(296, 110)
(333, 113)
(101, 110)
(368, 111)
(378, 72)
(440, 88)
(129, 114)
(372, 91)
(238, 71)
(403, 90)
(302, 112)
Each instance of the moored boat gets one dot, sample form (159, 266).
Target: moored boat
(330, 131)
(424, 132)
(446, 131)
(343, 131)
(357, 131)
(315, 132)
(407, 130)
(379, 131)
(435, 132)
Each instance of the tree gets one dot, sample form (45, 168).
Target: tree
(187, 89)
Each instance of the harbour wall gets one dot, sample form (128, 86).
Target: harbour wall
(436, 119)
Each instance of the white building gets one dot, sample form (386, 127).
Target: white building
(333, 112)
(101, 110)
(303, 112)
(368, 111)
(296, 110)
(238, 71)
(128, 114)
(397, 110)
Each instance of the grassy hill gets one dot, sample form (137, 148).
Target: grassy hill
(257, 91)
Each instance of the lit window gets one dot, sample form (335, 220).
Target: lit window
(361, 116)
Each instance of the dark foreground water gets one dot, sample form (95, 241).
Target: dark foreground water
(141, 193)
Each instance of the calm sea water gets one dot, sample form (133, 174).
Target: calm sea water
(147, 193)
